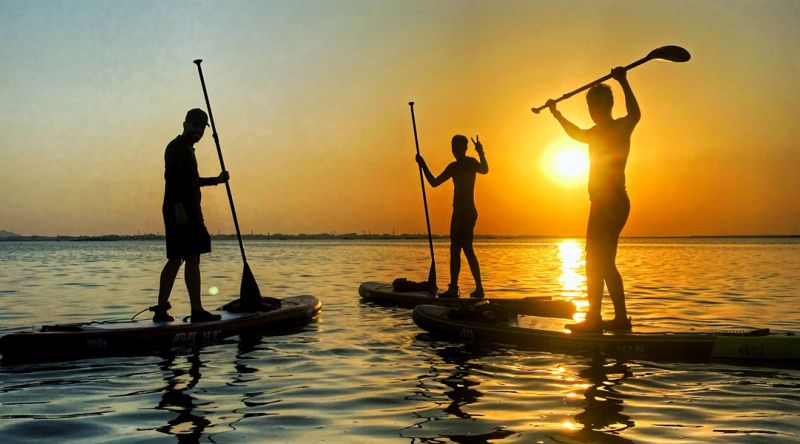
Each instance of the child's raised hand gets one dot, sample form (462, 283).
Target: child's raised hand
(478, 145)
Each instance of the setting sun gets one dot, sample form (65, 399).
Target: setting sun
(566, 163)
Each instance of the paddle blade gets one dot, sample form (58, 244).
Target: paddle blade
(432, 278)
(249, 294)
(671, 53)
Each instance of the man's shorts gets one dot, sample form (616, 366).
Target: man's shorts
(607, 217)
(190, 239)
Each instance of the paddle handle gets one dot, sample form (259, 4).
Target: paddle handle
(221, 160)
(594, 83)
(432, 273)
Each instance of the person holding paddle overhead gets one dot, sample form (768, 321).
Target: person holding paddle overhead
(609, 144)
(186, 233)
(462, 224)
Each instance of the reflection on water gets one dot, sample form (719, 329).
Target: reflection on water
(364, 373)
(602, 419)
(573, 278)
(182, 376)
(465, 383)
(190, 422)
(460, 376)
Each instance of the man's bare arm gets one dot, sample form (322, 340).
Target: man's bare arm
(631, 104)
(212, 181)
(570, 128)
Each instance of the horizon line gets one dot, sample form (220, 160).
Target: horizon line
(354, 235)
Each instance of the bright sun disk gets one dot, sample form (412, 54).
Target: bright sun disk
(566, 163)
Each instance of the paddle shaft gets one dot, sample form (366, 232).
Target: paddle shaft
(221, 161)
(647, 58)
(424, 197)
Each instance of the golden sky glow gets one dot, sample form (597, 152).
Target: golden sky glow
(310, 100)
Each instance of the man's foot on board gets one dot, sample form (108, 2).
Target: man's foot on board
(621, 325)
(160, 313)
(204, 316)
(451, 293)
(587, 326)
(477, 294)
(162, 316)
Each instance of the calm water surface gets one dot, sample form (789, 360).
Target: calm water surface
(363, 373)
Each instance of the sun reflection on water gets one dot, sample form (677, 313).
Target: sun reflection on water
(573, 279)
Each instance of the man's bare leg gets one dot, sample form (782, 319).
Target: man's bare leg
(168, 274)
(192, 277)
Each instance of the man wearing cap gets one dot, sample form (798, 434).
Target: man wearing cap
(187, 236)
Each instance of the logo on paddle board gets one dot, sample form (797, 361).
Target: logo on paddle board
(193, 336)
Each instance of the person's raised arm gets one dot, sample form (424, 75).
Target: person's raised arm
(631, 104)
(434, 181)
(483, 165)
(570, 128)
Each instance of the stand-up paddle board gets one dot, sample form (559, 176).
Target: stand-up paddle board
(550, 335)
(92, 339)
(537, 305)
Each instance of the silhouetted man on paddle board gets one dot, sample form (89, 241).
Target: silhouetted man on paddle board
(462, 224)
(187, 236)
(609, 144)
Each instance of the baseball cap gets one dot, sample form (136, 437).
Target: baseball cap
(197, 115)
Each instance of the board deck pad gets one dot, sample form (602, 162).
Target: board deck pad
(540, 323)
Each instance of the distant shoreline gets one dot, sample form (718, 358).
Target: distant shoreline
(356, 236)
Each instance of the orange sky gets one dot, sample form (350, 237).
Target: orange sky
(310, 100)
